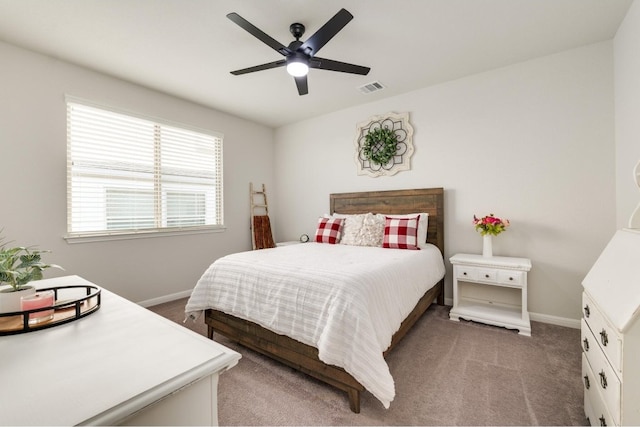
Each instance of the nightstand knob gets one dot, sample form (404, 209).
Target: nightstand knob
(486, 275)
(603, 379)
(585, 344)
(464, 273)
(586, 382)
(587, 312)
(510, 278)
(604, 338)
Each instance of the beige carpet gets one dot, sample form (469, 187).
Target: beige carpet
(446, 373)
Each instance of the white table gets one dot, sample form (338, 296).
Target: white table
(122, 364)
(491, 290)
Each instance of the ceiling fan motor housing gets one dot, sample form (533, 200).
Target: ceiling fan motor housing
(297, 30)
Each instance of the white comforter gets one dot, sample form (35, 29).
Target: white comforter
(347, 301)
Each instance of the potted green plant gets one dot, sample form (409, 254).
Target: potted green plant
(19, 266)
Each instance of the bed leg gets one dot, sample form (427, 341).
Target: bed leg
(210, 332)
(440, 298)
(354, 400)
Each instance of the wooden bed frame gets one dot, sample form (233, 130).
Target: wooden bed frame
(305, 358)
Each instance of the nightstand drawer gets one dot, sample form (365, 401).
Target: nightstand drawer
(487, 275)
(514, 278)
(464, 272)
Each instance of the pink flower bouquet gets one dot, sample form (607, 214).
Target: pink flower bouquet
(490, 224)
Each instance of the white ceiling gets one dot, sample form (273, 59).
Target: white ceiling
(186, 48)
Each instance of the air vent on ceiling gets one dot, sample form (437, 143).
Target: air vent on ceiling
(371, 87)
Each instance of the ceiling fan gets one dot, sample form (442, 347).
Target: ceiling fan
(300, 56)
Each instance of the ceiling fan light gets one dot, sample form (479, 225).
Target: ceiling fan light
(297, 68)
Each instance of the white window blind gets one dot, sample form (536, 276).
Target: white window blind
(127, 174)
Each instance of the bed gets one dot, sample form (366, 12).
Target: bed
(305, 353)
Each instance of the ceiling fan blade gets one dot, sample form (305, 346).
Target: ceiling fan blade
(259, 34)
(326, 32)
(343, 67)
(267, 66)
(301, 83)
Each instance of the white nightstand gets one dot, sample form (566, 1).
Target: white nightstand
(290, 242)
(491, 290)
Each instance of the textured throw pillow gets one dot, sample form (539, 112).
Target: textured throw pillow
(372, 231)
(351, 228)
(401, 233)
(329, 230)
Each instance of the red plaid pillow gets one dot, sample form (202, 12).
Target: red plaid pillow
(329, 230)
(401, 233)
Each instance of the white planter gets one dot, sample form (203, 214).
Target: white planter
(10, 299)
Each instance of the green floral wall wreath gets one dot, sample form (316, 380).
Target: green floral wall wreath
(383, 145)
(380, 145)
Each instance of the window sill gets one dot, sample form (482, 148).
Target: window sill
(141, 234)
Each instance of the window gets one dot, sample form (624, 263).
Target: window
(131, 175)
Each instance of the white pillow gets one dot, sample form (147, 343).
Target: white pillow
(372, 233)
(351, 229)
(361, 229)
(423, 225)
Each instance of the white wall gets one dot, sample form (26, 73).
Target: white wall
(627, 107)
(33, 177)
(532, 142)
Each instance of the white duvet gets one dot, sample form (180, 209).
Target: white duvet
(347, 301)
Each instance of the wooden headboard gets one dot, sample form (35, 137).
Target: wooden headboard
(397, 202)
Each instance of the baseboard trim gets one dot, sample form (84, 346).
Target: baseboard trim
(555, 320)
(165, 298)
(537, 317)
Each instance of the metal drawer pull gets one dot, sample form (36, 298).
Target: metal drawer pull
(486, 275)
(603, 379)
(586, 382)
(604, 338)
(587, 312)
(510, 278)
(585, 344)
(464, 273)
(603, 422)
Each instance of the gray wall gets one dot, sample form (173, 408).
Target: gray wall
(33, 176)
(627, 107)
(533, 142)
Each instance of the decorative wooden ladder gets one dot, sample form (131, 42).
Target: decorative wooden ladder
(261, 236)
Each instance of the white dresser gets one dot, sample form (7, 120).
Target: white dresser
(122, 364)
(611, 333)
(491, 290)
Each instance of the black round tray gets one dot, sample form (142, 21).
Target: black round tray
(65, 311)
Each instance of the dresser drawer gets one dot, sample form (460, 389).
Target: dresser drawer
(606, 336)
(594, 406)
(603, 378)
